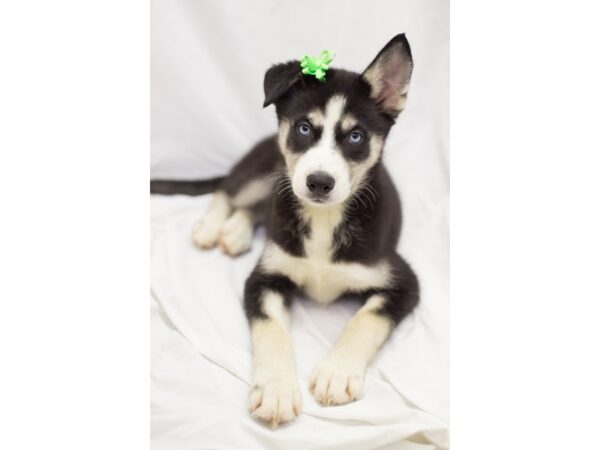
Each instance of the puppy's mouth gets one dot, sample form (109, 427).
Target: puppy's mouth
(319, 200)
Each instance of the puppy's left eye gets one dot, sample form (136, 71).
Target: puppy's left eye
(356, 137)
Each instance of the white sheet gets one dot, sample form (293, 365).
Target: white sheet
(201, 354)
(208, 60)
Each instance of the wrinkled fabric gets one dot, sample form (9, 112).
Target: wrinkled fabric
(201, 356)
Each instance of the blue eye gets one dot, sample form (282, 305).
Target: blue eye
(304, 129)
(356, 137)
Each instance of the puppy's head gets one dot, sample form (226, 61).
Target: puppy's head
(331, 133)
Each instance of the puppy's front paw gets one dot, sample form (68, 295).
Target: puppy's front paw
(336, 381)
(236, 237)
(275, 402)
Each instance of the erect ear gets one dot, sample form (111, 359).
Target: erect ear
(389, 75)
(279, 79)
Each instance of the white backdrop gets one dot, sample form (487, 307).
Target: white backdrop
(207, 64)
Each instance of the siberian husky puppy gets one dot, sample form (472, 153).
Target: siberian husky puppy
(333, 222)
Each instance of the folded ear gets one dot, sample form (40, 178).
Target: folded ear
(389, 75)
(279, 79)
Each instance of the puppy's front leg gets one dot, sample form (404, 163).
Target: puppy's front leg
(339, 378)
(274, 395)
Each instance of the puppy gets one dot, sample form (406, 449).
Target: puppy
(333, 222)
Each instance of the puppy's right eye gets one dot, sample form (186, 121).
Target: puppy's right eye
(304, 129)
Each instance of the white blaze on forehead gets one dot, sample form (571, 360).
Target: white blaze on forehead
(333, 112)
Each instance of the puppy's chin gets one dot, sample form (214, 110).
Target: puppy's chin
(323, 202)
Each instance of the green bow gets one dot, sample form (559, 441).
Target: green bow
(317, 66)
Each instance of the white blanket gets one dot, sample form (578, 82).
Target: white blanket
(201, 360)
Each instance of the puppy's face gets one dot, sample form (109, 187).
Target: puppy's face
(332, 133)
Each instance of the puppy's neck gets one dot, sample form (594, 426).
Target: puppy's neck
(333, 214)
(322, 223)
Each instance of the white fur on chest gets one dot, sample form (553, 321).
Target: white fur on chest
(323, 222)
(319, 277)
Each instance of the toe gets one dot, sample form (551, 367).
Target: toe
(205, 235)
(255, 399)
(285, 411)
(355, 386)
(337, 393)
(321, 387)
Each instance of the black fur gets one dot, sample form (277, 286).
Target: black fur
(191, 187)
(263, 160)
(372, 221)
(285, 225)
(403, 295)
(257, 283)
(279, 79)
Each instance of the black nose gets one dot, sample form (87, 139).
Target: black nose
(320, 183)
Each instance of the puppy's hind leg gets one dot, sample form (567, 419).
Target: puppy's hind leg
(207, 230)
(236, 236)
(246, 188)
(250, 205)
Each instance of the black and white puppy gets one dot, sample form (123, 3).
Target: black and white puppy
(333, 222)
